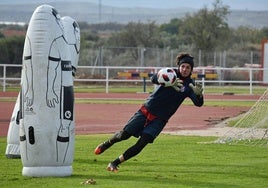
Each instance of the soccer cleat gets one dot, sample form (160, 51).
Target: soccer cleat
(112, 167)
(102, 147)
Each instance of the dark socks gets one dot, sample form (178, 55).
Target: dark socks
(116, 162)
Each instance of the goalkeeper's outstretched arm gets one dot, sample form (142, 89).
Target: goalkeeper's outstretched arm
(196, 94)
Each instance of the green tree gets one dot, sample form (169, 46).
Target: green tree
(2, 35)
(169, 34)
(172, 27)
(244, 35)
(11, 50)
(206, 29)
(137, 35)
(264, 32)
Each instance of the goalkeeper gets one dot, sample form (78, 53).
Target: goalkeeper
(147, 123)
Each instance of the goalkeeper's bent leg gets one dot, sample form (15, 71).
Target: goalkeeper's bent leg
(131, 152)
(119, 136)
(137, 148)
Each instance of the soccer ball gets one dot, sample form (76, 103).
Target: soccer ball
(166, 76)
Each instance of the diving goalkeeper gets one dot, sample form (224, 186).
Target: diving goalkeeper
(148, 122)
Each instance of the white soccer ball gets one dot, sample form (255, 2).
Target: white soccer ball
(166, 76)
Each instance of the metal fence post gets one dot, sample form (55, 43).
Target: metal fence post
(250, 81)
(4, 76)
(107, 80)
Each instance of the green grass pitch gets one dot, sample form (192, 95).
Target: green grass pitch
(171, 161)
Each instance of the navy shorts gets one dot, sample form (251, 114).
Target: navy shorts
(138, 125)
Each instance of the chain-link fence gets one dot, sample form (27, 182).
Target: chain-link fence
(156, 57)
(121, 64)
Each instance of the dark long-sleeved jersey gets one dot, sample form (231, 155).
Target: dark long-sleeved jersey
(165, 101)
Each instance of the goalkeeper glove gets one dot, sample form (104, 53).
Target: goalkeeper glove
(197, 89)
(177, 84)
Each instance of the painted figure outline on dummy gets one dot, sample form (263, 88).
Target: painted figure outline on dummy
(60, 64)
(28, 66)
(59, 59)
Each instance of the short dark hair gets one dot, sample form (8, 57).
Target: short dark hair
(184, 57)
